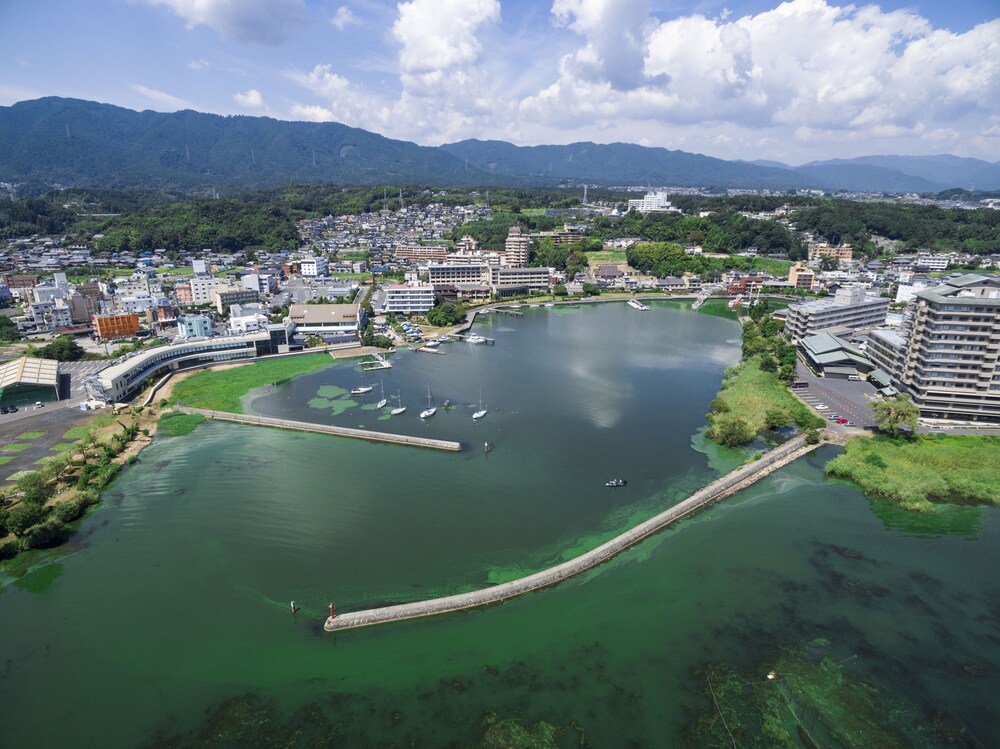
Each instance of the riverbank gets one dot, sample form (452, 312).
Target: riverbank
(925, 470)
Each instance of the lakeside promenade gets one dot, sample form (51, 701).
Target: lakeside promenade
(725, 486)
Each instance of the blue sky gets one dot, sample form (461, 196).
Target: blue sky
(793, 81)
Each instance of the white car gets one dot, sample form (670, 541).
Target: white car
(821, 407)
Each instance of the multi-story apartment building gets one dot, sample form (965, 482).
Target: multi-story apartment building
(420, 252)
(440, 273)
(201, 288)
(801, 277)
(652, 202)
(849, 308)
(224, 296)
(409, 299)
(108, 327)
(510, 281)
(313, 267)
(950, 364)
(194, 326)
(842, 252)
(517, 247)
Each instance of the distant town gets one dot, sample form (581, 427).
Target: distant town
(144, 313)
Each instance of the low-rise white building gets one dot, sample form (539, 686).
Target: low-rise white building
(313, 267)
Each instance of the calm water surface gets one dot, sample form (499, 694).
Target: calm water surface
(169, 617)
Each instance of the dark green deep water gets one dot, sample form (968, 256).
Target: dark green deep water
(167, 618)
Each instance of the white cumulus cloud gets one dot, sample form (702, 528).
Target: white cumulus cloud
(251, 99)
(343, 18)
(260, 21)
(802, 68)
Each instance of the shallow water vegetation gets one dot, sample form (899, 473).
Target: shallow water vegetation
(222, 390)
(918, 472)
(796, 701)
(177, 424)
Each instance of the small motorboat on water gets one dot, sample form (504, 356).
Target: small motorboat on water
(475, 339)
(616, 482)
(362, 390)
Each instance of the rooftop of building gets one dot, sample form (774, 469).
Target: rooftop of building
(970, 288)
(29, 371)
(313, 314)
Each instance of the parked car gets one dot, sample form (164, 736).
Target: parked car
(843, 421)
(821, 407)
(850, 424)
(833, 416)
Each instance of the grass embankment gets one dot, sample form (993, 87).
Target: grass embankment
(222, 390)
(753, 400)
(917, 472)
(40, 510)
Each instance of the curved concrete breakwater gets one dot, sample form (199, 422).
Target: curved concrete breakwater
(305, 426)
(723, 487)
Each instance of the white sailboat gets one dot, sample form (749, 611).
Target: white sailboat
(400, 408)
(482, 411)
(381, 403)
(431, 408)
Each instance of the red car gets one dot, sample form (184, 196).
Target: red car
(842, 420)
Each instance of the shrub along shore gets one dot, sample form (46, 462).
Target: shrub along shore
(754, 395)
(918, 471)
(41, 509)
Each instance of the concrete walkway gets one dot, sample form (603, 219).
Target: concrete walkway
(723, 487)
(305, 426)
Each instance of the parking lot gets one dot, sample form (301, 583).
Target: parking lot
(77, 370)
(847, 398)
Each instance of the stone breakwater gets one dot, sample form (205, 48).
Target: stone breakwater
(725, 486)
(305, 426)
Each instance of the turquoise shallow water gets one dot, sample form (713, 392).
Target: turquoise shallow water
(167, 620)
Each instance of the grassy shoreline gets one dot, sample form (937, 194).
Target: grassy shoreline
(223, 390)
(752, 401)
(923, 471)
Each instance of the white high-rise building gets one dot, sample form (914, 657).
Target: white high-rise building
(652, 202)
(313, 267)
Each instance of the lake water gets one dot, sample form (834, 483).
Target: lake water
(166, 622)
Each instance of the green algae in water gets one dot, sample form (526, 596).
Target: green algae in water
(336, 407)
(332, 391)
(800, 700)
(41, 579)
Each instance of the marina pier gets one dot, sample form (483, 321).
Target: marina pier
(305, 426)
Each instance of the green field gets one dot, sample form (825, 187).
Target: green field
(760, 400)
(606, 257)
(774, 267)
(30, 435)
(16, 447)
(927, 469)
(222, 390)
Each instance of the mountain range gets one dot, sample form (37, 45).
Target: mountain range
(72, 143)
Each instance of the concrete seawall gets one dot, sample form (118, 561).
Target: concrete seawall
(723, 487)
(305, 426)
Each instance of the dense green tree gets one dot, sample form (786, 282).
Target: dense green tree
(893, 414)
(63, 348)
(24, 516)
